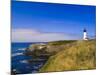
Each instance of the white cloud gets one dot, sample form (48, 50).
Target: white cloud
(31, 35)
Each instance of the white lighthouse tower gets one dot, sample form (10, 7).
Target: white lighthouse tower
(85, 34)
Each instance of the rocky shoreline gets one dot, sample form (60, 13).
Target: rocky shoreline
(53, 54)
(48, 49)
(42, 52)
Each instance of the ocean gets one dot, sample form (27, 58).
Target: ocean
(19, 60)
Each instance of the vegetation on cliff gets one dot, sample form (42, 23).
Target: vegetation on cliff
(51, 48)
(77, 55)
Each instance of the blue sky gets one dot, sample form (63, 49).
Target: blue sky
(42, 22)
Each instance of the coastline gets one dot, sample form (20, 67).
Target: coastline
(51, 56)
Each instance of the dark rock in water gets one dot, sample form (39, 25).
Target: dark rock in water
(14, 72)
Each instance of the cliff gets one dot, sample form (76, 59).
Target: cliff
(49, 49)
(79, 56)
(65, 55)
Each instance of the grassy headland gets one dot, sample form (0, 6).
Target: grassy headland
(71, 55)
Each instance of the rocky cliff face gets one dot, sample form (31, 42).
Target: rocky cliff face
(48, 49)
(64, 55)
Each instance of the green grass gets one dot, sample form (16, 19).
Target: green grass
(77, 56)
(62, 42)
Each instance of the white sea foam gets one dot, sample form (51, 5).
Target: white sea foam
(22, 49)
(24, 61)
(16, 54)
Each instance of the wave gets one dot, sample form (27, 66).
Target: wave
(16, 54)
(24, 61)
(22, 49)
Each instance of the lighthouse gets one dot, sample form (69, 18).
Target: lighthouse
(85, 34)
